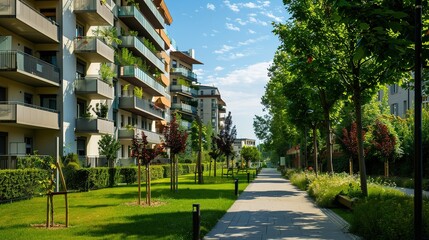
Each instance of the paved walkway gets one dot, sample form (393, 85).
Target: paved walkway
(272, 208)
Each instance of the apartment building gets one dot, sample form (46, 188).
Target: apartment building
(80, 69)
(400, 99)
(183, 85)
(239, 143)
(211, 107)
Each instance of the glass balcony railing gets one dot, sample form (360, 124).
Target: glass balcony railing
(153, 14)
(185, 73)
(141, 106)
(37, 72)
(94, 49)
(183, 89)
(135, 19)
(142, 50)
(29, 115)
(152, 137)
(24, 20)
(94, 12)
(94, 125)
(140, 78)
(94, 87)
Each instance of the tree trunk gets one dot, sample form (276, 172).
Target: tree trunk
(214, 167)
(176, 181)
(326, 114)
(351, 165)
(139, 182)
(357, 99)
(315, 149)
(171, 172)
(386, 168)
(148, 193)
(51, 199)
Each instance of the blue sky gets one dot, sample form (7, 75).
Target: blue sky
(235, 42)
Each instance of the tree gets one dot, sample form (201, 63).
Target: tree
(215, 152)
(250, 154)
(175, 140)
(109, 146)
(143, 152)
(350, 143)
(226, 138)
(384, 143)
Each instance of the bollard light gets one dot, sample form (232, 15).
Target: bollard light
(196, 221)
(236, 186)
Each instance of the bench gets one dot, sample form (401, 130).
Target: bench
(229, 172)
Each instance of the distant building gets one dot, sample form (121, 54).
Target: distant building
(400, 99)
(239, 143)
(211, 107)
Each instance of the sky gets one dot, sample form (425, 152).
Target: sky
(235, 42)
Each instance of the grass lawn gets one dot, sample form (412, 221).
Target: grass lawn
(111, 213)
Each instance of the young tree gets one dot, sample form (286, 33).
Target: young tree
(215, 152)
(144, 154)
(109, 146)
(250, 154)
(226, 138)
(350, 143)
(384, 142)
(175, 140)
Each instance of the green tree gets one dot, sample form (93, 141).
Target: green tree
(250, 154)
(226, 138)
(109, 147)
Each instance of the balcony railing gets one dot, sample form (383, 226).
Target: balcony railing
(24, 20)
(152, 13)
(185, 73)
(134, 18)
(141, 79)
(28, 69)
(183, 89)
(94, 126)
(94, 49)
(184, 107)
(152, 137)
(94, 88)
(94, 12)
(141, 106)
(29, 115)
(137, 45)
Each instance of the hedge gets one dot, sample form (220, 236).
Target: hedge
(20, 183)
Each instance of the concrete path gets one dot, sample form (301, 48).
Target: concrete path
(272, 208)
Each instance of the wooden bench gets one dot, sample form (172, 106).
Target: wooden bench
(229, 172)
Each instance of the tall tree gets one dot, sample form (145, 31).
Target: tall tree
(175, 140)
(144, 154)
(109, 147)
(226, 138)
(250, 154)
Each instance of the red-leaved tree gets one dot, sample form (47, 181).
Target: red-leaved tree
(384, 143)
(144, 154)
(350, 143)
(175, 140)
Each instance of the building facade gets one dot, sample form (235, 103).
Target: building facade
(79, 69)
(239, 143)
(211, 107)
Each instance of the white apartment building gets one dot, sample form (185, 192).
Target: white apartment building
(80, 69)
(211, 107)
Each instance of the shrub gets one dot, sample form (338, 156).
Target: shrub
(20, 183)
(299, 178)
(129, 175)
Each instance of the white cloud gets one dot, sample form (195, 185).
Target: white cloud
(233, 7)
(251, 31)
(257, 21)
(240, 21)
(250, 5)
(252, 74)
(218, 68)
(231, 26)
(199, 72)
(272, 16)
(211, 6)
(254, 40)
(204, 46)
(224, 49)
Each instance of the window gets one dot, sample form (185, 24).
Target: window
(122, 151)
(3, 94)
(174, 82)
(394, 89)
(49, 57)
(80, 69)
(49, 13)
(81, 146)
(28, 98)
(174, 64)
(201, 92)
(405, 107)
(394, 109)
(80, 30)
(174, 99)
(48, 101)
(28, 50)
(28, 145)
(213, 92)
(115, 118)
(122, 120)
(81, 108)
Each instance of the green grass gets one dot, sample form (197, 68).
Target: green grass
(109, 214)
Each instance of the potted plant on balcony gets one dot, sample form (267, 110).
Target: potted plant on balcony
(109, 34)
(101, 110)
(107, 74)
(138, 92)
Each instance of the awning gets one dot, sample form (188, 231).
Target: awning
(163, 101)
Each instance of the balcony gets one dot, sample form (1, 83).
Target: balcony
(183, 89)
(94, 88)
(22, 19)
(185, 73)
(134, 19)
(93, 49)
(152, 13)
(141, 107)
(94, 126)
(30, 116)
(184, 108)
(27, 69)
(137, 46)
(139, 78)
(128, 134)
(94, 12)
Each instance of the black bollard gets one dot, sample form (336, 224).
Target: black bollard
(236, 186)
(196, 221)
(253, 175)
(248, 177)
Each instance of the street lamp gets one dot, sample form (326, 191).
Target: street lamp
(309, 111)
